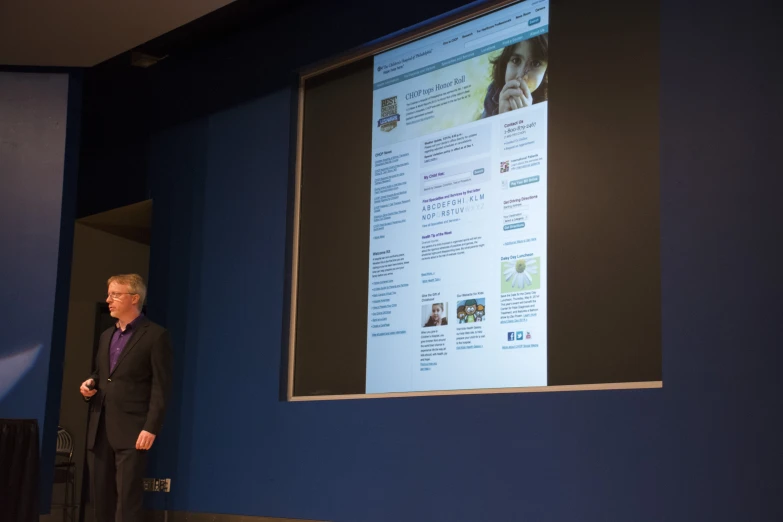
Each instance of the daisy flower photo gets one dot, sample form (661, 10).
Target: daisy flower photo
(520, 274)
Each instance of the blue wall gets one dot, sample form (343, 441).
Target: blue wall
(39, 142)
(32, 151)
(705, 447)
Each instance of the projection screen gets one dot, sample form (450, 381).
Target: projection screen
(476, 208)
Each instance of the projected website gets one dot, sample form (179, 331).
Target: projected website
(458, 285)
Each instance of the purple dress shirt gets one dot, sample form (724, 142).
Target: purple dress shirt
(119, 340)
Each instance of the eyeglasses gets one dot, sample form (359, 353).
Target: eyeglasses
(116, 296)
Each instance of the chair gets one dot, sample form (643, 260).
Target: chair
(65, 473)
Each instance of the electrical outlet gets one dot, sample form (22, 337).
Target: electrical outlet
(157, 485)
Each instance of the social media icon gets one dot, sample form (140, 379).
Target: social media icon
(510, 336)
(520, 336)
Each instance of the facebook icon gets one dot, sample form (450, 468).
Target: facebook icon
(510, 336)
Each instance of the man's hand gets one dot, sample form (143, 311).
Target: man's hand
(145, 440)
(86, 392)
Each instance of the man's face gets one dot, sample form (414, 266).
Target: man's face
(121, 302)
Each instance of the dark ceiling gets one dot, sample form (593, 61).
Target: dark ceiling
(84, 34)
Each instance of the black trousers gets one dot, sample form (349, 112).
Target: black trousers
(117, 480)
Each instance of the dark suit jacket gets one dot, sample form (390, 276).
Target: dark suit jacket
(133, 397)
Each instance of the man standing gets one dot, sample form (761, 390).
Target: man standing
(128, 394)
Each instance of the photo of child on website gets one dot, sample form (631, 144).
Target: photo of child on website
(519, 77)
(434, 314)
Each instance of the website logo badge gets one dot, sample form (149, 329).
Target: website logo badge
(389, 114)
